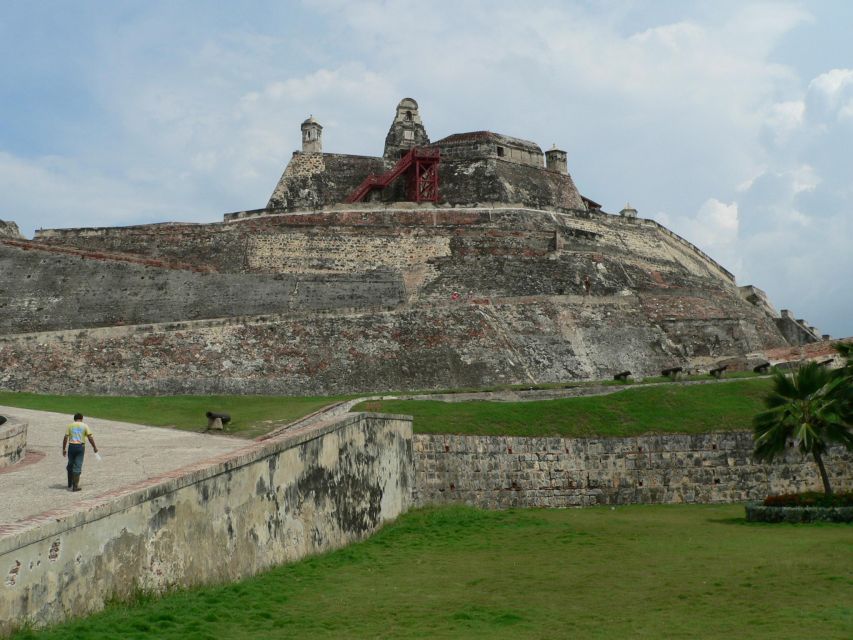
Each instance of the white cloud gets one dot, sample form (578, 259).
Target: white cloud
(714, 229)
(832, 83)
(785, 118)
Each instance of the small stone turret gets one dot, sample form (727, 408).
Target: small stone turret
(312, 136)
(556, 160)
(406, 131)
(628, 211)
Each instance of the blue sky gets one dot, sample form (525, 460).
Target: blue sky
(730, 122)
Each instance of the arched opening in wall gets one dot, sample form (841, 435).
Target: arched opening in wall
(500, 152)
(409, 116)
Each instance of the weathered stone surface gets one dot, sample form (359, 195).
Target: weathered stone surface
(366, 298)
(9, 229)
(502, 472)
(278, 502)
(13, 441)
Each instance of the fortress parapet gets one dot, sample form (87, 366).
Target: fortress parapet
(478, 166)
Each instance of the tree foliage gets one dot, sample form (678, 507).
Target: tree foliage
(813, 407)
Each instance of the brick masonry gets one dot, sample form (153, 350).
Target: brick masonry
(502, 472)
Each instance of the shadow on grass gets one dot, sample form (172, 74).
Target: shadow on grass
(733, 521)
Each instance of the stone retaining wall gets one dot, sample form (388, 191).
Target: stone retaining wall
(219, 520)
(499, 472)
(13, 442)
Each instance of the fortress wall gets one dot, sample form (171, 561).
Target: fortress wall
(220, 520)
(500, 472)
(215, 246)
(454, 343)
(493, 180)
(314, 180)
(42, 290)
(479, 296)
(13, 442)
(229, 247)
(9, 229)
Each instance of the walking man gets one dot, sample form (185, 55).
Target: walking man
(74, 447)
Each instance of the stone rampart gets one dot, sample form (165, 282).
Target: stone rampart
(221, 520)
(313, 180)
(467, 342)
(409, 297)
(44, 290)
(13, 441)
(501, 472)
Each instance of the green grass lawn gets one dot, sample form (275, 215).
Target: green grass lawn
(251, 415)
(660, 408)
(696, 571)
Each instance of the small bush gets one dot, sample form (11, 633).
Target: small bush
(757, 512)
(810, 499)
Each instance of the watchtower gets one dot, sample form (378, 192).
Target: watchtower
(406, 131)
(556, 160)
(312, 136)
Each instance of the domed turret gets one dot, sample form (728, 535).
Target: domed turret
(312, 136)
(628, 211)
(556, 160)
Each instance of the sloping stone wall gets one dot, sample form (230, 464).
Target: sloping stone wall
(221, 520)
(502, 472)
(367, 299)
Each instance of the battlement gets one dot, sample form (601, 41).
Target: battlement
(478, 166)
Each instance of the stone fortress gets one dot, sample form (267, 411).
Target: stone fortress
(473, 260)
(470, 261)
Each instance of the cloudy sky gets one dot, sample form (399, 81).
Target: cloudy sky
(730, 122)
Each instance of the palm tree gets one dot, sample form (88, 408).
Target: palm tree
(813, 407)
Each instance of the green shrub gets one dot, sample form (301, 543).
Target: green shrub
(757, 512)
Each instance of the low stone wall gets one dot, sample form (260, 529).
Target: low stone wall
(500, 472)
(220, 520)
(13, 441)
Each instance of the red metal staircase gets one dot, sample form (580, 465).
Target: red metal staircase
(421, 169)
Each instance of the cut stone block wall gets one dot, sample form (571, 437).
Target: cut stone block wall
(502, 472)
(13, 442)
(366, 299)
(218, 521)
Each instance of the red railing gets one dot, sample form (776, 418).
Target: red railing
(421, 169)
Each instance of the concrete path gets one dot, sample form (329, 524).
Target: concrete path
(130, 453)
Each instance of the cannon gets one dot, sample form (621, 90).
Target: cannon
(217, 420)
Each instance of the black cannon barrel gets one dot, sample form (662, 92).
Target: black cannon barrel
(213, 415)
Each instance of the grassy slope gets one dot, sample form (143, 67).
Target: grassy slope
(664, 409)
(251, 415)
(659, 408)
(630, 572)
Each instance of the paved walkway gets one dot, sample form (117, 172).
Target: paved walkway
(130, 453)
